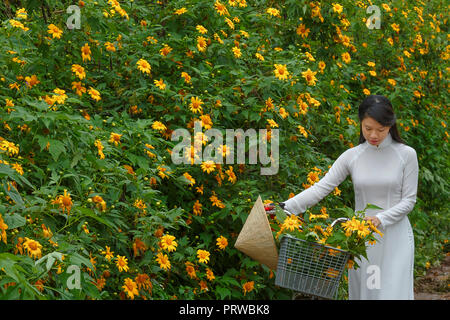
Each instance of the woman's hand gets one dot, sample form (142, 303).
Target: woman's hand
(375, 221)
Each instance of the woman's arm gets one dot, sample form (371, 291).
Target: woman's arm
(409, 192)
(309, 197)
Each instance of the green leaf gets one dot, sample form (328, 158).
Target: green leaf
(223, 292)
(14, 220)
(56, 148)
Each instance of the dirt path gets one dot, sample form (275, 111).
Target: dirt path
(435, 285)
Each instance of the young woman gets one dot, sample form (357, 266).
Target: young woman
(384, 172)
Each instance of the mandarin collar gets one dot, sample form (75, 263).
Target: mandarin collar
(387, 141)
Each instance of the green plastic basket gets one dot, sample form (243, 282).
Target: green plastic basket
(310, 268)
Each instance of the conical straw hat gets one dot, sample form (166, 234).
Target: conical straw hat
(256, 238)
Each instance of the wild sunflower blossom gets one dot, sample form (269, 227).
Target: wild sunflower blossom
(33, 248)
(86, 52)
(281, 71)
(201, 43)
(196, 105)
(64, 201)
(221, 8)
(122, 263)
(3, 227)
(79, 71)
(237, 52)
(273, 12)
(208, 166)
(158, 125)
(163, 260)
(94, 94)
(130, 288)
(144, 66)
(291, 223)
(168, 243)
(203, 256)
(114, 138)
(54, 31)
(160, 84)
(108, 253)
(248, 286)
(310, 77)
(222, 242)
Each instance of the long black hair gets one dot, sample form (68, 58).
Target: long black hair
(379, 108)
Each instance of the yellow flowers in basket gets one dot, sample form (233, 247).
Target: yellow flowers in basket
(350, 233)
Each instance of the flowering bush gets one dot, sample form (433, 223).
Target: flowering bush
(91, 205)
(352, 235)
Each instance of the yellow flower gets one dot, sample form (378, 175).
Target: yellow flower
(18, 24)
(248, 286)
(21, 13)
(78, 87)
(221, 8)
(163, 261)
(281, 71)
(337, 8)
(273, 12)
(190, 269)
(33, 248)
(54, 31)
(291, 223)
(94, 94)
(313, 177)
(115, 138)
(216, 201)
(272, 123)
(186, 77)
(366, 92)
(165, 50)
(346, 57)
(203, 256)
(201, 29)
(331, 273)
(122, 263)
(108, 253)
(180, 11)
(160, 84)
(130, 288)
(189, 177)
(201, 43)
(196, 105)
(157, 125)
(395, 27)
(100, 147)
(303, 131)
(310, 77)
(392, 82)
(86, 52)
(168, 243)
(110, 46)
(302, 31)
(64, 201)
(222, 242)
(210, 274)
(144, 66)
(79, 71)
(259, 56)
(197, 208)
(237, 52)
(208, 166)
(3, 227)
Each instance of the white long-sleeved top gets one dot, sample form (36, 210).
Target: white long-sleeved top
(387, 176)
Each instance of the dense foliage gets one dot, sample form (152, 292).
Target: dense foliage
(87, 112)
